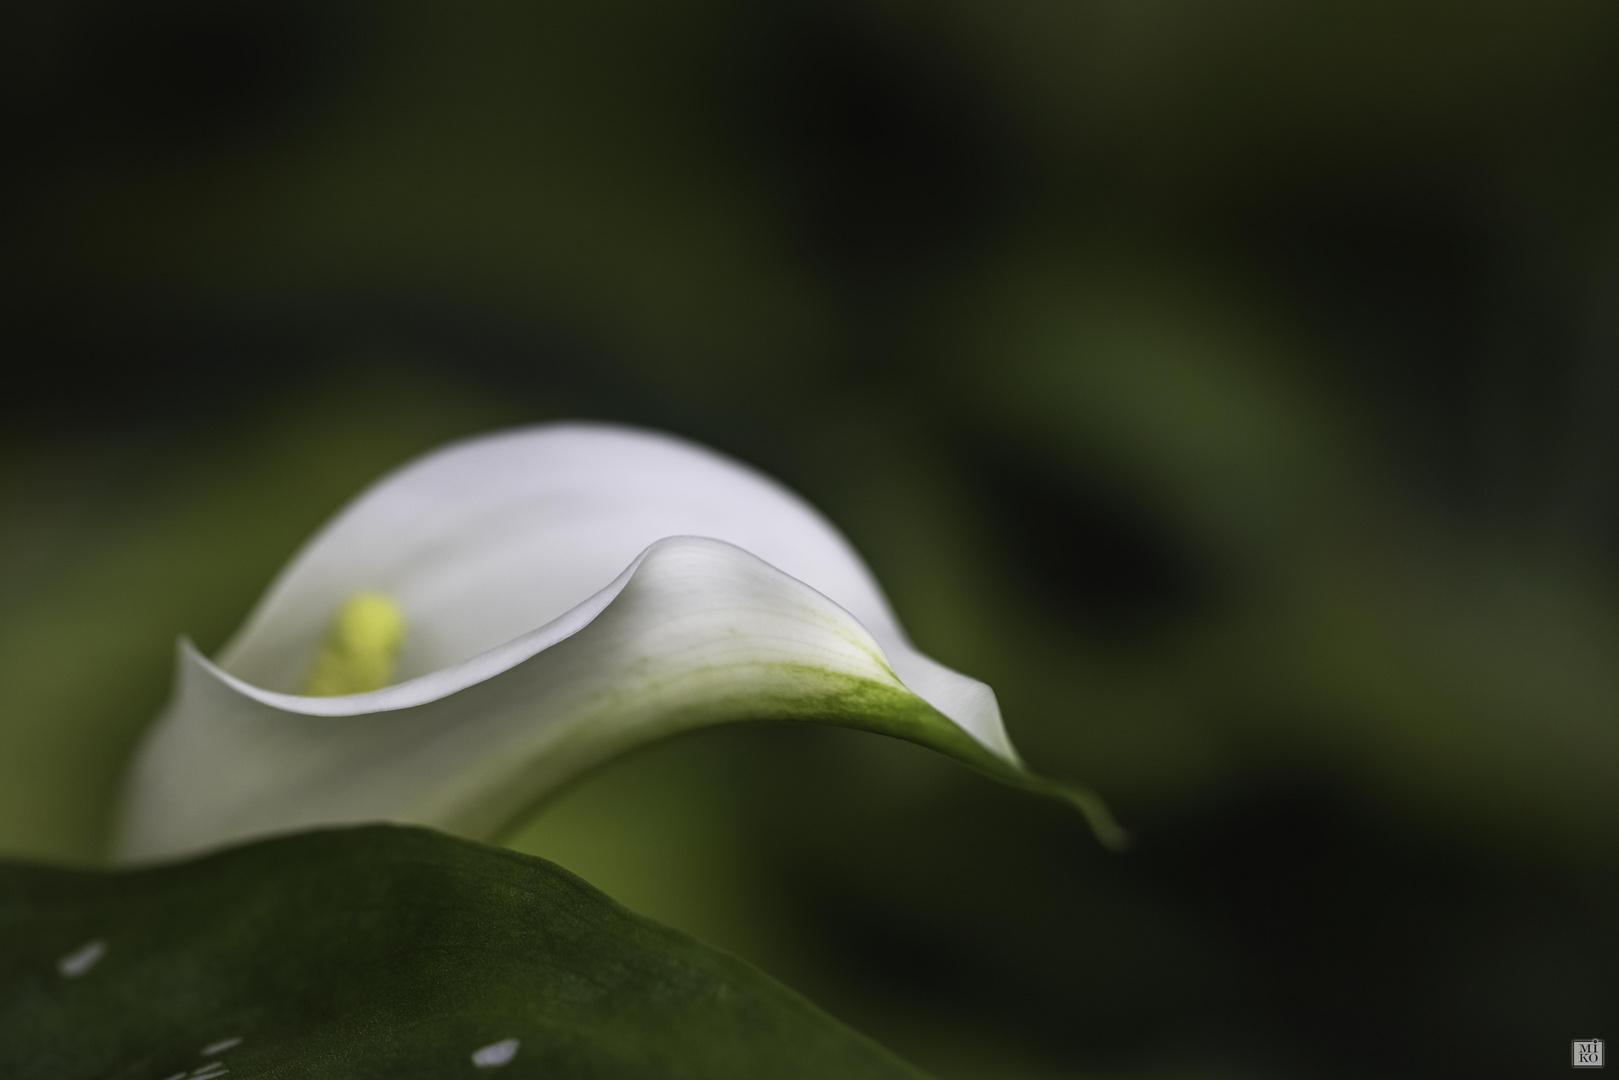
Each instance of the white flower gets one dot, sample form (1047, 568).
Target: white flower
(540, 601)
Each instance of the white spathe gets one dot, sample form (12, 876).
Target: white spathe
(570, 591)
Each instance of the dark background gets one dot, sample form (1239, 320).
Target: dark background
(1233, 385)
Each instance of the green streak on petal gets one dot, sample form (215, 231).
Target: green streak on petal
(872, 707)
(815, 695)
(360, 648)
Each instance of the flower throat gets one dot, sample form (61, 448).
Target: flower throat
(360, 649)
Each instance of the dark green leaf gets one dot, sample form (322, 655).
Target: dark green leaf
(381, 952)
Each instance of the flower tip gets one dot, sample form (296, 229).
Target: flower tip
(1108, 832)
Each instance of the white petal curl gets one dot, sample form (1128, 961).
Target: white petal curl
(570, 591)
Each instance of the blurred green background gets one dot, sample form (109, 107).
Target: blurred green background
(1233, 385)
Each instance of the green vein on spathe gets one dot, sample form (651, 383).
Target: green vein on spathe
(873, 707)
(823, 696)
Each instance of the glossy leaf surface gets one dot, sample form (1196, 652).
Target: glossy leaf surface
(381, 952)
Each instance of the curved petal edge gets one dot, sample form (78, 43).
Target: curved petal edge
(696, 632)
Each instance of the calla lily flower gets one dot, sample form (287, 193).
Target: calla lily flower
(500, 616)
